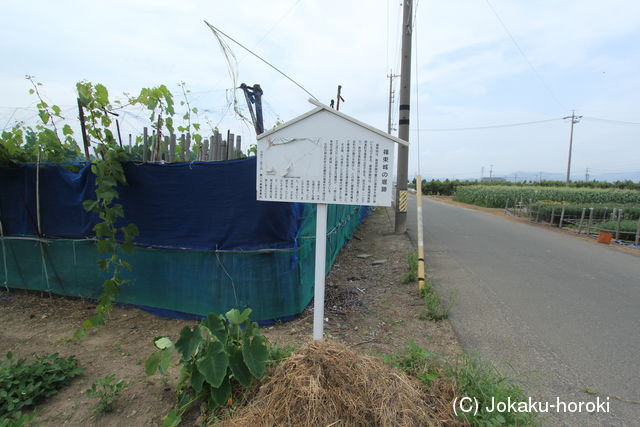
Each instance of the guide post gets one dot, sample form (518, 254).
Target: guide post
(325, 157)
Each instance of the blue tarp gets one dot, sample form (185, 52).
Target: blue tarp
(193, 206)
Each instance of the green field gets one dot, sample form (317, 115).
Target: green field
(498, 196)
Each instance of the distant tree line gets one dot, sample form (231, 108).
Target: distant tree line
(448, 187)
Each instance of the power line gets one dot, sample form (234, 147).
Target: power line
(612, 121)
(546, 86)
(506, 125)
(215, 30)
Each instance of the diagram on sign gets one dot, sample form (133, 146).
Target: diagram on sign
(282, 160)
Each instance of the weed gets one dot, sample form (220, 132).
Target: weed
(433, 305)
(106, 391)
(411, 275)
(471, 378)
(589, 390)
(482, 381)
(24, 384)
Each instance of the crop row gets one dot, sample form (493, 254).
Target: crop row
(499, 196)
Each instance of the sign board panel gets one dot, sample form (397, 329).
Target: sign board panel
(325, 159)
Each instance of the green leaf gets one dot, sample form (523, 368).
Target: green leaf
(197, 379)
(32, 91)
(162, 343)
(159, 361)
(56, 109)
(213, 365)
(221, 394)
(172, 419)
(66, 130)
(102, 95)
(44, 116)
(217, 326)
(238, 367)
(236, 318)
(189, 341)
(255, 354)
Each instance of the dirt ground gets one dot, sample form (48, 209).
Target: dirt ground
(367, 307)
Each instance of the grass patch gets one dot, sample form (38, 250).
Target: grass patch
(470, 377)
(433, 308)
(411, 276)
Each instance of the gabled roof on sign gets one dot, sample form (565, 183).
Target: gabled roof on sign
(320, 107)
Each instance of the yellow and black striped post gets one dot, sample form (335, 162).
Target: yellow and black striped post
(402, 201)
(420, 234)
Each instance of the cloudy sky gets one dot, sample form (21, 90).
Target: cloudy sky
(477, 64)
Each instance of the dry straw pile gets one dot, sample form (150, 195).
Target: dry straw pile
(326, 384)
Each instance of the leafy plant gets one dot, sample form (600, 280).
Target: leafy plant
(17, 419)
(216, 355)
(109, 173)
(411, 275)
(106, 391)
(24, 384)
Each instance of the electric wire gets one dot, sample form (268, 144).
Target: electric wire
(215, 31)
(546, 86)
(506, 125)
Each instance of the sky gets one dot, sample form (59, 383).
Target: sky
(475, 64)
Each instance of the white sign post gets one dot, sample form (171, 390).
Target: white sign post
(325, 157)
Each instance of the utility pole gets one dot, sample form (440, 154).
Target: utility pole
(586, 175)
(339, 98)
(403, 118)
(574, 119)
(490, 172)
(391, 76)
(481, 173)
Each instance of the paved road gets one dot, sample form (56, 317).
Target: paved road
(562, 312)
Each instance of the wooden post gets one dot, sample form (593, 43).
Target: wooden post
(205, 152)
(506, 206)
(553, 212)
(230, 155)
(529, 210)
(166, 148)
(590, 220)
(561, 217)
(238, 144)
(638, 233)
(183, 145)
(85, 139)
(212, 141)
(538, 212)
(119, 136)
(152, 147)
(172, 148)
(618, 224)
(581, 220)
(223, 150)
(216, 146)
(145, 145)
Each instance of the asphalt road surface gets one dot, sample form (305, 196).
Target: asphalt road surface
(551, 310)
